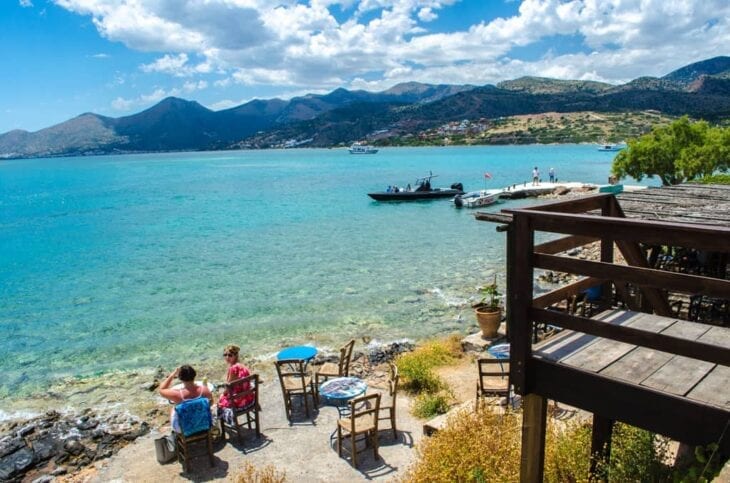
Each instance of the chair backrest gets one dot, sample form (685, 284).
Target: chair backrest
(292, 369)
(246, 388)
(490, 368)
(364, 407)
(393, 381)
(194, 416)
(345, 358)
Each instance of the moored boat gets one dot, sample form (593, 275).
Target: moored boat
(423, 191)
(476, 199)
(611, 147)
(359, 148)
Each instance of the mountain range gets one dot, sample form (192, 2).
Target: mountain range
(700, 90)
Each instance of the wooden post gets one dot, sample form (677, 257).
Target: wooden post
(600, 442)
(510, 276)
(607, 251)
(519, 300)
(534, 418)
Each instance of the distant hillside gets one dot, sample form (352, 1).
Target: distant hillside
(176, 124)
(344, 125)
(542, 85)
(690, 73)
(406, 110)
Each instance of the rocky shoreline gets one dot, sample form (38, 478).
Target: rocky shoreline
(56, 446)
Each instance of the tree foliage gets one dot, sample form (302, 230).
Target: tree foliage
(676, 153)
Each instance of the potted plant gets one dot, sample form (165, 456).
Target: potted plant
(489, 310)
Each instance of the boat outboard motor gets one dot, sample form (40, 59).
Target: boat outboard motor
(457, 186)
(458, 202)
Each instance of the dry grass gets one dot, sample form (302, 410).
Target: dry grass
(251, 474)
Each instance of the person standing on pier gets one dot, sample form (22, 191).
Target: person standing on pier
(551, 173)
(535, 176)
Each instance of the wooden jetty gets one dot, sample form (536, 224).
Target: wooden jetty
(528, 190)
(635, 360)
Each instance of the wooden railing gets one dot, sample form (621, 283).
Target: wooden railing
(606, 223)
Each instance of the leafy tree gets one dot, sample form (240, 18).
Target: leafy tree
(679, 152)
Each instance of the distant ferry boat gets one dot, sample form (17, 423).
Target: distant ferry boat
(359, 148)
(611, 147)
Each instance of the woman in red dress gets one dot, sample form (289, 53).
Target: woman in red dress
(236, 370)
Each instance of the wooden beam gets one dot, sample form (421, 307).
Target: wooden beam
(562, 293)
(575, 205)
(674, 345)
(534, 419)
(679, 418)
(600, 443)
(634, 256)
(564, 244)
(649, 277)
(493, 217)
(703, 237)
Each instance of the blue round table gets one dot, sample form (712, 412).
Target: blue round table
(341, 389)
(298, 352)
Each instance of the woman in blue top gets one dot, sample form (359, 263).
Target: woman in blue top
(189, 390)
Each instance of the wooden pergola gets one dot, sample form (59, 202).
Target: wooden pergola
(634, 361)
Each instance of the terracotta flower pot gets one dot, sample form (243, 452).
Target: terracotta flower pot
(489, 320)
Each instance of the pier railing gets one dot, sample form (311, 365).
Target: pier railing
(591, 219)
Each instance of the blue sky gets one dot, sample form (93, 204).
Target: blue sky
(116, 57)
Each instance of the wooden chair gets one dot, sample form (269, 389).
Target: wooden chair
(363, 420)
(243, 389)
(195, 424)
(340, 369)
(387, 403)
(294, 382)
(488, 385)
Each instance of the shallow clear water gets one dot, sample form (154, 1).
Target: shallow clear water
(127, 262)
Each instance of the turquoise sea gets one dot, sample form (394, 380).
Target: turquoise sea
(129, 262)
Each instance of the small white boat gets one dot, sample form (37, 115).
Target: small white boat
(359, 148)
(611, 147)
(476, 199)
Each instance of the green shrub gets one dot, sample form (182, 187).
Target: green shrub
(716, 179)
(416, 368)
(567, 453)
(484, 446)
(704, 467)
(473, 446)
(430, 405)
(637, 455)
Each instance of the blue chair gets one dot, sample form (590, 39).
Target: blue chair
(195, 424)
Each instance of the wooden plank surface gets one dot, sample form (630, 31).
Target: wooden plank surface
(662, 371)
(604, 352)
(714, 388)
(637, 365)
(642, 363)
(569, 342)
(678, 376)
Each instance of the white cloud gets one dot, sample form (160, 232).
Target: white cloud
(100, 55)
(145, 100)
(120, 104)
(26, 3)
(302, 46)
(169, 64)
(427, 15)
